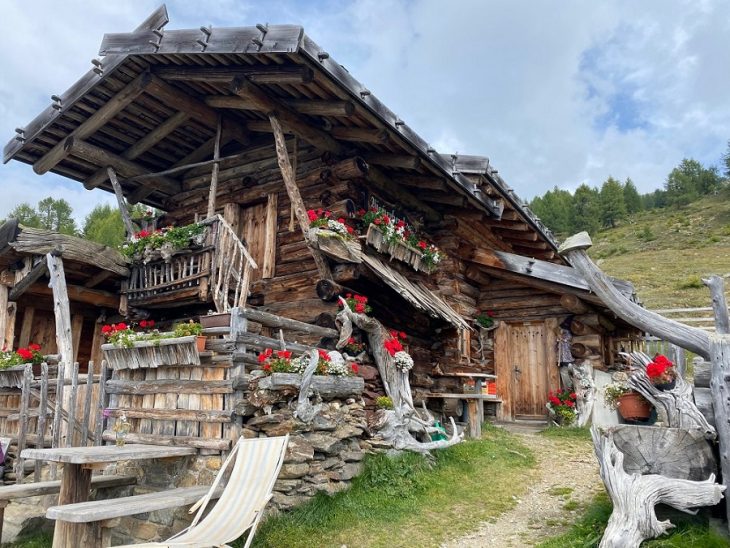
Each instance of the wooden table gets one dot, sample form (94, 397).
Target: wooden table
(479, 382)
(76, 480)
(474, 404)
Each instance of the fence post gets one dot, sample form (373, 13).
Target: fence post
(23, 420)
(42, 412)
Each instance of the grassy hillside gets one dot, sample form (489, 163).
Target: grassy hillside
(665, 252)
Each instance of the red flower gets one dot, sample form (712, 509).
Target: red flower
(400, 224)
(360, 308)
(351, 340)
(570, 403)
(34, 347)
(328, 214)
(573, 395)
(121, 326)
(25, 353)
(348, 296)
(261, 358)
(143, 233)
(312, 215)
(106, 329)
(422, 244)
(402, 335)
(377, 221)
(323, 354)
(554, 400)
(341, 220)
(143, 324)
(267, 367)
(386, 219)
(361, 212)
(490, 313)
(319, 211)
(355, 368)
(659, 358)
(284, 354)
(350, 230)
(655, 369)
(150, 323)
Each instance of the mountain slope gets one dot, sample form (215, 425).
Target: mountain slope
(666, 252)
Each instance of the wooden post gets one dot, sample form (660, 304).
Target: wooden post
(23, 421)
(64, 337)
(216, 169)
(719, 305)
(120, 200)
(42, 411)
(295, 197)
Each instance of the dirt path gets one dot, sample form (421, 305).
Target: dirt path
(567, 481)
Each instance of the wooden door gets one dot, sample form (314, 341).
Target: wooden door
(258, 231)
(525, 364)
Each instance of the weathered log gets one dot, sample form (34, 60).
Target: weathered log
(585, 391)
(326, 319)
(216, 169)
(577, 327)
(579, 350)
(272, 320)
(573, 249)
(64, 338)
(327, 386)
(634, 496)
(352, 168)
(123, 210)
(719, 305)
(574, 304)
(328, 291)
(682, 453)
(347, 272)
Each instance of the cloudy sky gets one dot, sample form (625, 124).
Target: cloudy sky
(553, 92)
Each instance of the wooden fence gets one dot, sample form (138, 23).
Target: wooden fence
(48, 409)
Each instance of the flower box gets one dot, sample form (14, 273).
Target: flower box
(152, 354)
(216, 320)
(337, 246)
(397, 250)
(327, 386)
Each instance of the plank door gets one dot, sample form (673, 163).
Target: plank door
(525, 364)
(258, 231)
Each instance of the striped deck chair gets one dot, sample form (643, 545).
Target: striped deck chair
(240, 507)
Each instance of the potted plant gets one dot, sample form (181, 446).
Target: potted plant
(189, 329)
(30, 354)
(562, 407)
(661, 373)
(630, 404)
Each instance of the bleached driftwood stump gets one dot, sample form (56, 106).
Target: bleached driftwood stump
(397, 425)
(634, 497)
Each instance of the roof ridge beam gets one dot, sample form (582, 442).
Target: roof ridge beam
(276, 74)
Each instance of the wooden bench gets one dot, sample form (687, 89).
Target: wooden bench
(102, 515)
(474, 408)
(52, 487)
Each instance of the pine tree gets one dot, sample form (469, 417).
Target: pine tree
(585, 209)
(726, 161)
(612, 203)
(555, 209)
(104, 225)
(631, 197)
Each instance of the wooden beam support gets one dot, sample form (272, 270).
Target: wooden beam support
(509, 234)
(271, 74)
(81, 294)
(451, 199)
(361, 135)
(33, 276)
(100, 157)
(61, 311)
(404, 161)
(303, 106)
(97, 279)
(110, 109)
(216, 168)
(141, 146)
(421, 182)
(295, 197)
(292, 120)
(123, 210)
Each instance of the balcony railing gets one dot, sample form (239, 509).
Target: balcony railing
(218, 271)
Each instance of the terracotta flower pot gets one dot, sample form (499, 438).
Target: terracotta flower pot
(200, 342)
(633, 406)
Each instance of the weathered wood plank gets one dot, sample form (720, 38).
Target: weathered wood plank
(107, 453)
(168, 385)
(201, 415)
(173, 442)
(33, 276)
(40, 488)
(123, 209)
(326, 386)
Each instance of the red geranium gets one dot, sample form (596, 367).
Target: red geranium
(357, 303)
(25, 353)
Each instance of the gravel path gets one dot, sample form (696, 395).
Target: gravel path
(567, 481)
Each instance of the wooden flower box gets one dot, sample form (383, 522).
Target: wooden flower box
(338, 247)
(153, 354)
(400, 251)
(328, 386)
(216, 320)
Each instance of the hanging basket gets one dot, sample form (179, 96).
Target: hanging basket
(634, 407)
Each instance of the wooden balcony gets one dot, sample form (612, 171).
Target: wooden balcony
(218, 271)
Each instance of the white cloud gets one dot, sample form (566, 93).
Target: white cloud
(553, 93)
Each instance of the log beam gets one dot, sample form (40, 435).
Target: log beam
(272, 74)
(80, 294)
(100, 157)
(61, 311)
(123, 210)
(285, 116)
(696, 340)
(26, 282)
(110, 109)
(404, 161)
(141, 146)
(403, 196)
(303, 106)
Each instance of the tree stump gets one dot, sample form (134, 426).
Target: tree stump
(634, 496)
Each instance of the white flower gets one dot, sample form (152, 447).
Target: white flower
(298, 365)
(403, 360)
(337, 227)
(337, 365)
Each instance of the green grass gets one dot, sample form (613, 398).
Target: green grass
(44, 540)
(587, 532)
(407, 501)
(574, 432)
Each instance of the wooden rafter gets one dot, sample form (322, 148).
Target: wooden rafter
(33, 276)
(123, 210)
(272, 74)
(311, 107)
(110, 109)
